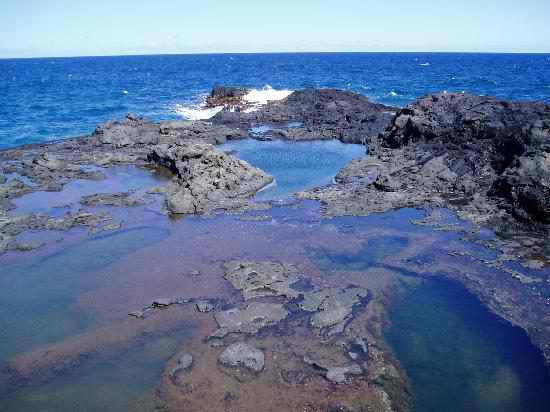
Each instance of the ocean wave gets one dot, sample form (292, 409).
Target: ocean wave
(196, 112)
(255, 98)
(265, 95)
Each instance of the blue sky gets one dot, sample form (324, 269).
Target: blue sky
(99, 27)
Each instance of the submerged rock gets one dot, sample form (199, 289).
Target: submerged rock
(335, 374)
(252, 319)
(242, 354)
(338, 374)
(162, 302)
(335, 308)
(204, 306)
(206, 178)
(185, 362)
(260, 279)
(11, 226)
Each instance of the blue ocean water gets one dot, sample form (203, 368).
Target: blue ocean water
(51, 98)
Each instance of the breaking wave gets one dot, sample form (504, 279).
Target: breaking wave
(196, 112)
(255, 98)
(265, 95)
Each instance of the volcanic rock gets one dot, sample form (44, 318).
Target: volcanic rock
(206, 178)
(242, 354)
(252, 319)
(259, 279)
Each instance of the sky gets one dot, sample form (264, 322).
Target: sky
(36, 28)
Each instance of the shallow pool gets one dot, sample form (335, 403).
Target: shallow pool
(460, 357)
(296, 166)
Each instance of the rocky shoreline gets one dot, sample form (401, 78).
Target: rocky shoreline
(484, 159)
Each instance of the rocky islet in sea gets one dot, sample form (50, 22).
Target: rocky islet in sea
(487, 160)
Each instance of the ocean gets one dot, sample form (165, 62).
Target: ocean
(46, 99)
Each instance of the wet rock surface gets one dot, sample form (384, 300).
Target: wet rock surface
(242, 354)
(281, 345)
(125, 199)
(260, 279)
(255, 317)
(185, 362)
(204, 306)
(334, 308)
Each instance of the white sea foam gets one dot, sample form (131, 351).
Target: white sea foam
(424, 64)
(265, 95)
(255, 98)
(197, 112)
(393, 94)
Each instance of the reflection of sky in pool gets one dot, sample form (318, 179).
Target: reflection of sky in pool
(119, 179)
(296, 166)
(46, 293)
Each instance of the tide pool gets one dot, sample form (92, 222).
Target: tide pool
(460, 357)
(296, 166)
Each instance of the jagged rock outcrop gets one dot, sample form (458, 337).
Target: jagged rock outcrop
(133, 130)
(317, 114)
(137, 131)
(498, 147)
(526, 185)
(201, 130)
(206, 179)
(226, 96)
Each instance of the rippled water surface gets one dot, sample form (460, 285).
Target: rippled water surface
(45, 99)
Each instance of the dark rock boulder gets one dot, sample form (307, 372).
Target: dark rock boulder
(127, 133)
(526, 185)
(490, 146)
(226, 96)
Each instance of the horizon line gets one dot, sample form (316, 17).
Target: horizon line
(267, 52)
